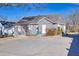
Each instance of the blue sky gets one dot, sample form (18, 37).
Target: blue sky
(15, 13)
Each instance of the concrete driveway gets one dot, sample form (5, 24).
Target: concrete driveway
(35, 46)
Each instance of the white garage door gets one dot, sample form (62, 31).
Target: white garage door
(43, 29)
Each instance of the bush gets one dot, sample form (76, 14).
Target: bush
(51, 32)
(58, 30)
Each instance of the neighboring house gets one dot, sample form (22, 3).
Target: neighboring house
(6, 30)
(13, 29)
(10, 29)
(37, 25)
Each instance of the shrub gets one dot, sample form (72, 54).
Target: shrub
(58, 30)
(51, 32)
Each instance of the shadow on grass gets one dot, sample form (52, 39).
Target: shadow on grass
(74, 48)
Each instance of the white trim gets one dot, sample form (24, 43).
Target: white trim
(45, 19)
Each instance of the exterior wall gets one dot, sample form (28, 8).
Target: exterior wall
(18, 30)
(63, 27)
(33, 29)
(37, 29)
(25, 27)
(48, 24)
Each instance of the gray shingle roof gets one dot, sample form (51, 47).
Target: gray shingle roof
(35, 19)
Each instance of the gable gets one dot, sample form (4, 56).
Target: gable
(44, 21)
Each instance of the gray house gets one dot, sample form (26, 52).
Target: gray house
(38, 25)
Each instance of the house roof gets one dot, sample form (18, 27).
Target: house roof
(35, 19)
(56, 19)
(7, 24)
(2, 22)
